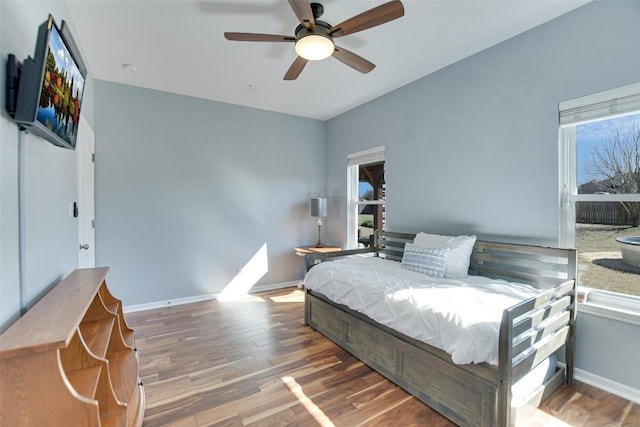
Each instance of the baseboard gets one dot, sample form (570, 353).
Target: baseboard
(206, 297)
(167, 303)
(607, 385)
(274, 286)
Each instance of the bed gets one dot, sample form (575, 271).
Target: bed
(531, 333)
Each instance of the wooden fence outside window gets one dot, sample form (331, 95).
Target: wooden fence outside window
(609, 213)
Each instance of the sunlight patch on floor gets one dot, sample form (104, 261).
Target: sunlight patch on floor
(295, 296)
(543, 419)
(530, 415)
(311, 407)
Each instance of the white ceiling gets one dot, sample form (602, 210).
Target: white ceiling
(178, 46)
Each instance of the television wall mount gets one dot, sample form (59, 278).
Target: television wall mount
(14, 71)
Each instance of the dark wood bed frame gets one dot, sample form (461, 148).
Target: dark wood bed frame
(474, 394)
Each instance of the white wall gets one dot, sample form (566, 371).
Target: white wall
(473, 148)
(189, 190)
(50, 241)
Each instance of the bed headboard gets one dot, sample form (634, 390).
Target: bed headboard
(536, 265)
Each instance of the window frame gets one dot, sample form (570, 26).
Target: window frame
(606, 105)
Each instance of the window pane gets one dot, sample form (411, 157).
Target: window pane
(601, 265)
(371, 187)
(608, 156)
(608, 161)
(365, 224)
(365, 191)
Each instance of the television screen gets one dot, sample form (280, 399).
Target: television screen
(51, 87)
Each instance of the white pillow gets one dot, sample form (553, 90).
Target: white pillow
(429, 261)
(460, 248)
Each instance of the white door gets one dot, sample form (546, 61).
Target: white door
(86, 234)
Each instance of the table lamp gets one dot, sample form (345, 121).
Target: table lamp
(318, 207)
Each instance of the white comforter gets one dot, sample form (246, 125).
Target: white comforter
(460, 316)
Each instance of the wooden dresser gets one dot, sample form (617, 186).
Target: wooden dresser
(71, 360)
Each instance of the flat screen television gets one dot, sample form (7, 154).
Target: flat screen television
(51, 87)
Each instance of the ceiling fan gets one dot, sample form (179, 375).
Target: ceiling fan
(314, 38)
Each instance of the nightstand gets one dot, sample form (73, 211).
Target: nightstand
(304, 250)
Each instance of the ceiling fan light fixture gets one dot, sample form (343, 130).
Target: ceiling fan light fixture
(314, 38)
(314, 47)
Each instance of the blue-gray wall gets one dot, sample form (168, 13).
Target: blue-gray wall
(50, 234)
(473, 148)
(189, 190)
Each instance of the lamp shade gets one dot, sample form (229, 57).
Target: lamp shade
(318, 207)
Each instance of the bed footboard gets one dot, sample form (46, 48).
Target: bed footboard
(530, 332)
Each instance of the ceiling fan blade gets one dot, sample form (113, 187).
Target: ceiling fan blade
(296, 68)
(253, 37)
(354, 61)
(371, 18)
(302, 9)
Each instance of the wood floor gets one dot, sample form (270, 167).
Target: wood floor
(255, 363)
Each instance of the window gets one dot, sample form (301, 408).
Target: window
(600, 192)
(365, 196)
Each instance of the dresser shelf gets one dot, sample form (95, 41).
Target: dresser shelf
(71, 359)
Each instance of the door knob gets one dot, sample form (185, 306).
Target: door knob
(85, 246)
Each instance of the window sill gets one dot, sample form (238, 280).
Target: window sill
(611, 305)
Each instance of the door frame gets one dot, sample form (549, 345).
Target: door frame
(85, 148)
